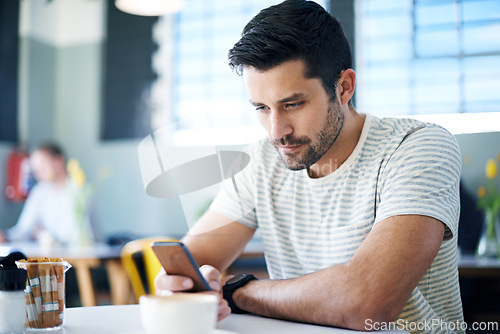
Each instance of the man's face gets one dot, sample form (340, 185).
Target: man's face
(301, 121)
(43, 165)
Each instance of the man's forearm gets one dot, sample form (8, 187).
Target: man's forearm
(217, 240)
(375, 284)
(280, 299)
(301, 299)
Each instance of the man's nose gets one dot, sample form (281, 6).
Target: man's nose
(280, 125)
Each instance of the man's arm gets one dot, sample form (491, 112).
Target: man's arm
(25, 227)
(375, 284)
(217, 240)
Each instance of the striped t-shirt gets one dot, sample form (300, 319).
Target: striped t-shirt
(399, 166)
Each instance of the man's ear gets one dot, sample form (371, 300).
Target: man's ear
(346, 85)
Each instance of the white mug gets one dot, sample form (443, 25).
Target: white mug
(179, 313)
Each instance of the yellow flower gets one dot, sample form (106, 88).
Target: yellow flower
(75, 172)
(79, 178)
(491, 169)
(481, 192)
(72, 166)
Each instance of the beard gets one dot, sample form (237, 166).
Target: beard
(317, 146)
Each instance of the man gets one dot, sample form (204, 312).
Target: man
(358, 215)
(50, 211)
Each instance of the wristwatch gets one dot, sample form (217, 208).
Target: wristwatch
(231, 285)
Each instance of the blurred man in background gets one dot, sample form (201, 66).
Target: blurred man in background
(54, 207)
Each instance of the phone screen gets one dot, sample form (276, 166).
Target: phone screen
(176, 259)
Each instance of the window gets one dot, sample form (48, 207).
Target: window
(208, 99)
(430, 57)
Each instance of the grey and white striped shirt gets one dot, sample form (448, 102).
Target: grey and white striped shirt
(399, 166)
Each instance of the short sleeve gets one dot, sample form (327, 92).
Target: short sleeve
(236, 198)
(422, 177)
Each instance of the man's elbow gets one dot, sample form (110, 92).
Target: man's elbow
(362, 315)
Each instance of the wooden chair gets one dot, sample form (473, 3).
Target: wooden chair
(142, 248)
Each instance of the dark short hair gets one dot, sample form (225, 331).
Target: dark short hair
(53, 149)
(293, 30)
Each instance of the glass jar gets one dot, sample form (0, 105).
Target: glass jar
(12, 300)
(45, 293)
(489, 240)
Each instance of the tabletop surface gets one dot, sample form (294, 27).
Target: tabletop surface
(126, 319)
(33, 249)
(103, 251)
(467, 260)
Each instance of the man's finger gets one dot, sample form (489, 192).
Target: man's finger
(174, 282)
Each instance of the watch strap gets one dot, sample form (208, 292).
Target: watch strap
(232, 285)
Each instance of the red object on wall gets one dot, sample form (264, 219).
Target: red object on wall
(18, 175)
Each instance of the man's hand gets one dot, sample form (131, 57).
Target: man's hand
(214, 240)
(168, 284)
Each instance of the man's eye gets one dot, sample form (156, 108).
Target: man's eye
(261, 108)
(293, 105)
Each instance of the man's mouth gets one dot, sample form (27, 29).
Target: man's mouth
(289, 149)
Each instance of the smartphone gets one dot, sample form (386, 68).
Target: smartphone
(176, 259)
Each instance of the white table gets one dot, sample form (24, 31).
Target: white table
(126, 319)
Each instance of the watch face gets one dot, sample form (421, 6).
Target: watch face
(235, 278)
